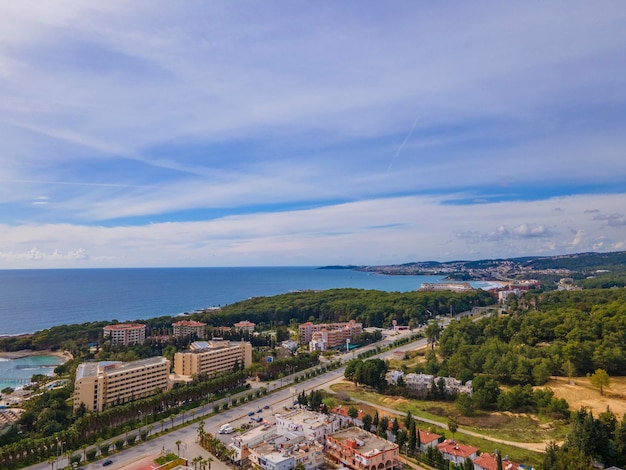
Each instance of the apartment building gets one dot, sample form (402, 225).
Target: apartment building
(126, 333)
(283, 453)
(245, 326)
(189, 328)
(309, 424)
(361, 450)
(213, 357)
(335, 334)
(102, 385)
(297, 437)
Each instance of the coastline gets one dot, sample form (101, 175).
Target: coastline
(64, 355)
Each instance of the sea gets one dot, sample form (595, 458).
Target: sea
(32, 300)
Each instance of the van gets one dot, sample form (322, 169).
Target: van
(226, 429)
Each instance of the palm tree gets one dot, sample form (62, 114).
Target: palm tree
(209, 460)
(178, 443)
(162, 423)
(196, 461)
(52, 460)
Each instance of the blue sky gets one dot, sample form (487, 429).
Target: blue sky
(157, 133)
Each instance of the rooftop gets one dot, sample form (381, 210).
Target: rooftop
(367, 443)
(188, 323)
(456, 448)
(124, 326)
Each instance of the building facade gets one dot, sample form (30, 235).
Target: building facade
(125, 333)
(335, 334)
(309, 424)
(361, 450)
(245, 326)
(456, 452)
(102, 385)
(213, 357)
(189, 328)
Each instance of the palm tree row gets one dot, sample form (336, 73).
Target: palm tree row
(95, 425)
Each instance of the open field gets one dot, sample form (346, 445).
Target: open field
(581, 393)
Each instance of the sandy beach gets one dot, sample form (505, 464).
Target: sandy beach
(64, 355)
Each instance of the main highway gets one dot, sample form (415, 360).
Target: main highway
(183, 439)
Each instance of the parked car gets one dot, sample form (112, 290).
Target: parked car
(251, 413)
(259, 410)
(266, 407)
(107, 462)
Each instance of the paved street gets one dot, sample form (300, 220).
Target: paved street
(141, 455)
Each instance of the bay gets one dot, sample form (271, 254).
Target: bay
(32, 300)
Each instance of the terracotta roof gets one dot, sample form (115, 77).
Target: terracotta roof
(188, 323)
(488, 461)
(124, 326)
(456, 449)
(428, 437)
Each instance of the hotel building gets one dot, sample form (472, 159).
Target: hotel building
(189, 328)
(213, 357)
(102, 385)
(335, 334)
(126, 333)
(245, 326)
(361, 450)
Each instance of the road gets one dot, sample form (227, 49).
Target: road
(139, 456)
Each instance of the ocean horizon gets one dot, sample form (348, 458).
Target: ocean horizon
(33, 300)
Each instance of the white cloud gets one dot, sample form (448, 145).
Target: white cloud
(368, 232)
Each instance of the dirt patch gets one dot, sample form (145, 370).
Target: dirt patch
(437, 411)
(579, 393)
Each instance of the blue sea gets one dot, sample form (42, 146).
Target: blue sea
(16, 373)
(32, 300)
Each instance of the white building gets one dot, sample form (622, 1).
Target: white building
(309, 424)
(419, 381)
(283, 453)
(393, 376)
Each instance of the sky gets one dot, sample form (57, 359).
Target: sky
(286, 133)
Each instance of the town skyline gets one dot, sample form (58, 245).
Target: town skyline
(163, 135)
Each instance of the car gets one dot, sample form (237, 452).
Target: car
(251, 413)
(259, 410)
(266, 407)
(107, 462)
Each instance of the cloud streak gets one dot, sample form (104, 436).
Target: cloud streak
(158, 118)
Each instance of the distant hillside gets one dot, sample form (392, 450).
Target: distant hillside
(578, 266)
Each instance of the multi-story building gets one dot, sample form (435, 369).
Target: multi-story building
(126, 333)
(361, 450)
(283, 453)
(309, 424)
(189, 328)
(101, 385)
(334, 334)
(213, 357)
(245, 326)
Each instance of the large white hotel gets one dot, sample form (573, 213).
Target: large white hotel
(102, 385)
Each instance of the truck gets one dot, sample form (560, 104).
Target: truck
(226, 429)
